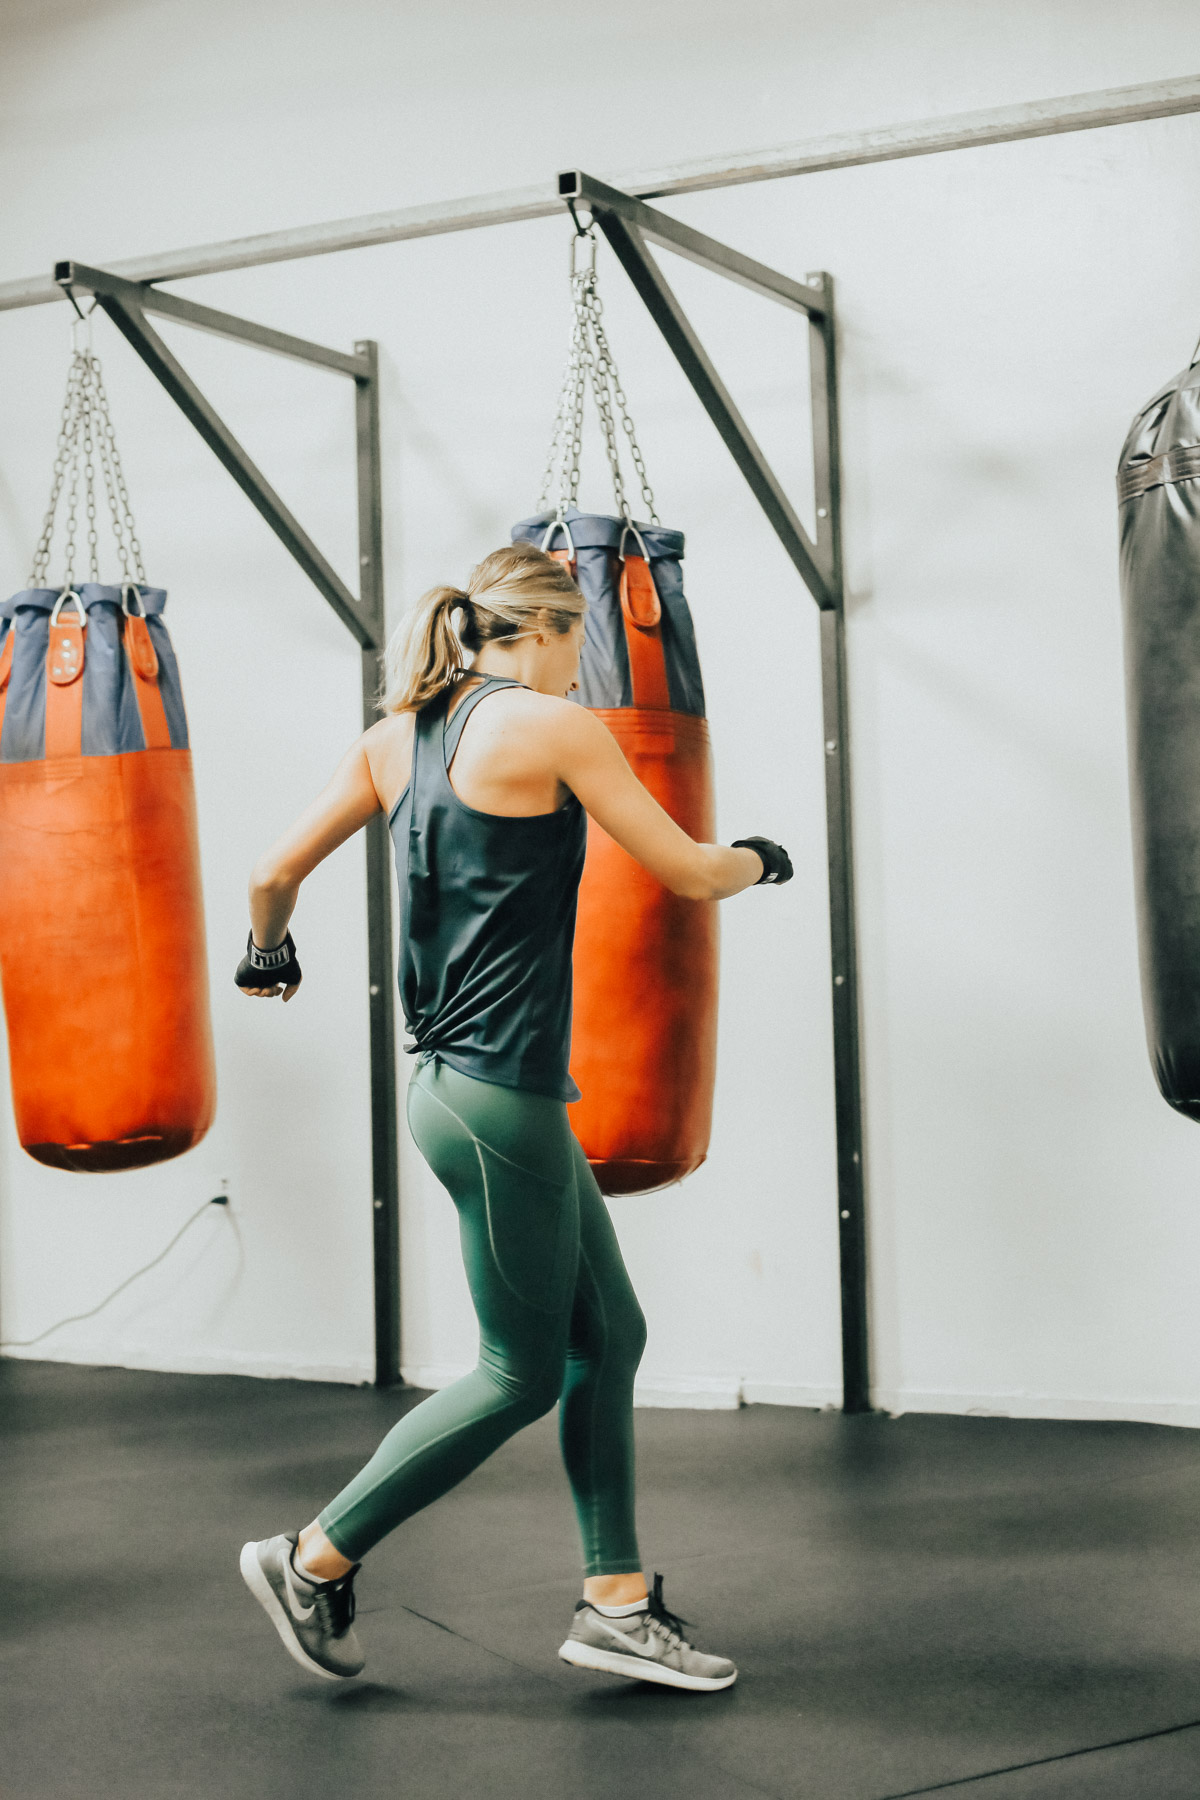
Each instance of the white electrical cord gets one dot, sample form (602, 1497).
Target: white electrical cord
(78, 1318)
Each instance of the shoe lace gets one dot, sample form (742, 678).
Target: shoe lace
(669, 1624)
(336, 1605)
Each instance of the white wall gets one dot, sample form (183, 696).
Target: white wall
(1004, 312)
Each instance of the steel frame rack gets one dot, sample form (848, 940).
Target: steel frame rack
(629, 225)
(126, 304)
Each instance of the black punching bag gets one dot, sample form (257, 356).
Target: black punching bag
(1158, 488)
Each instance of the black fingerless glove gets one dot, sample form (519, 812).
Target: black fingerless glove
(267, 968)
(776, 863)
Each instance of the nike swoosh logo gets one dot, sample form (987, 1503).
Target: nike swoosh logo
(300, 1613)
(651, 1649)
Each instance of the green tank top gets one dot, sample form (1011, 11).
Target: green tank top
(487, 919)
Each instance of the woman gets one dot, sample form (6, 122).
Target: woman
(486, 774)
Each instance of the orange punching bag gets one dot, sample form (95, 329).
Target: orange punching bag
(644, 1038)
(102, 956)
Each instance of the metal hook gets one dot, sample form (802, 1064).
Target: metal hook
(583, 237)
(82, 320)
(580, 230)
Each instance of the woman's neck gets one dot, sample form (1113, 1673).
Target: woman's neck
(522, 662)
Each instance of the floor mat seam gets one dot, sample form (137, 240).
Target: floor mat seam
(1043, 1762)
(628, 1724)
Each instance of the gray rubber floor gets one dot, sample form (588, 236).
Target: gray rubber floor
(991, 1606)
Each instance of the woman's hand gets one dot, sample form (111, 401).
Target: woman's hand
(277, 966)
(345, 804)
(776, 863)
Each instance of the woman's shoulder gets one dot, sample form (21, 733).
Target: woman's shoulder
(550, 719)
(393, 728)
(387, 746)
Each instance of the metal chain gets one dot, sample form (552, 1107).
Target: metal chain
(606, 373)
(569, 482)
(64, 452)
(556, 453)
(110, 490)
(600, 370)
(635, 453)
(88, 461)
(129, 549)
(566, 444)
(590, 363)
(72, 505)
(86, 447)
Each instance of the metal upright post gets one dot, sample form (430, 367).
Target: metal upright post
(847, 1078)
(385, 1162)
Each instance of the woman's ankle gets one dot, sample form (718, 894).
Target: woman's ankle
(615, 1590)
(318, 1558)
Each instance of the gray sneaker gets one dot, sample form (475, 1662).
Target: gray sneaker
(315, 1619)
(645, 1646)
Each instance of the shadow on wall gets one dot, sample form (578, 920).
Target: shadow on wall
(17, 532)
(418, 437)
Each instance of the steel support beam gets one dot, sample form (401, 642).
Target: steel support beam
(845, 150)
(141, 298)
(126, 304)
(628, 223)
(122, 301)
(659, 228)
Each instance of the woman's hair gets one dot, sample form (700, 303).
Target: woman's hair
(513, 593)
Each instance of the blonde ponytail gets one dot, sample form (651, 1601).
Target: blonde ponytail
(513, 593)
(425, 653)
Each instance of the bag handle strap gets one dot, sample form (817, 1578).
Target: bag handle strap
(64, 678)
(144, 667)
(641, 610)
(6, 663)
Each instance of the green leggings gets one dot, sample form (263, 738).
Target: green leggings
(558, 1321)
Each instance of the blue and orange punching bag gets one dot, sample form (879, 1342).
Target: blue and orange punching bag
(102, 954)
(644, 1035)
(644, 1040)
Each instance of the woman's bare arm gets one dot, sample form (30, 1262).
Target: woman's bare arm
(343, 806)
(590, 763)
